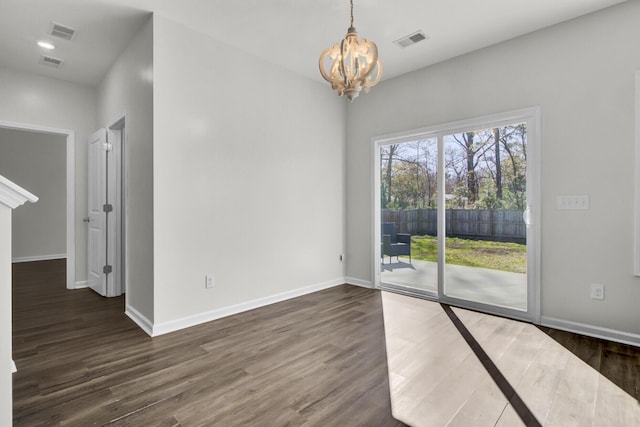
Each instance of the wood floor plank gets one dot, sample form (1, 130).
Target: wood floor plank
(509, 418)
(458, 386)
(539, 384)
(614, 404)
(483, 407)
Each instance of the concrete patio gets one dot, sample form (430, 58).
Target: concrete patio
(482, 285)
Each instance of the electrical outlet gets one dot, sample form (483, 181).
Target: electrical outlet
(597, 291)
(209, 281)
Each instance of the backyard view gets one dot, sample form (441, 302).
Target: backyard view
(503, 256)
(485, 169)
(485, 201)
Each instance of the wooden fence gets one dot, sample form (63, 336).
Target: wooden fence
(478, 224)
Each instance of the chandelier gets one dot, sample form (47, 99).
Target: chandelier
(354, 63)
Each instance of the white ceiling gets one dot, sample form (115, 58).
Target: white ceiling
(290, 33)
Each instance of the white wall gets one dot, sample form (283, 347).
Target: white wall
(248, 177)
(581, 74)
(128, 89)
(6, 385)
(38, 162)
(41, 101)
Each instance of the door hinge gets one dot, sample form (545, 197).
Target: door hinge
(107, 146)
(107, 269)
(107, 207)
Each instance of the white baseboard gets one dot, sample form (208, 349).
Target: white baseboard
(185, 322)
(139, 319)
(14, 369)
(81, 285)
(359, 282)
(38, 258)
(591, 331)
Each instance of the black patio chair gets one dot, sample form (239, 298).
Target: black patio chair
(395, 244)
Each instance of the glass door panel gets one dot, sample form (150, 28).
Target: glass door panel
(408, 216)
(486, 237)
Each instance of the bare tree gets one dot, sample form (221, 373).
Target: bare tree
(473, 150)
(390, 151)
(496, 139)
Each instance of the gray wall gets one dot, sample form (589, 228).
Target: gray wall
(248, 177)
(128, 88)
(41, 101)
(581, 74)
(38, 162)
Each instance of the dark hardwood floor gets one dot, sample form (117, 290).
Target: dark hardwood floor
(315, 360)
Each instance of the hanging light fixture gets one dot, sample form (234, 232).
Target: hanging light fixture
(354, 63)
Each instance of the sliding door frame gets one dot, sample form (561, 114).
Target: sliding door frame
(530, 116)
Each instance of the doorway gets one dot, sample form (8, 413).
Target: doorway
(456, 213)
(69, 136)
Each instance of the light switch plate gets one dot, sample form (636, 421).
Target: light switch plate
(575, 202)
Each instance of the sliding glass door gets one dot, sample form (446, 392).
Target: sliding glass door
(454, 218)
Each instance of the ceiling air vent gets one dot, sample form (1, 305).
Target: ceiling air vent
(411, 39)
(62, 31)
(51, 61)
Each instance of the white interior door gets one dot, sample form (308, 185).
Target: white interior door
(97, 234)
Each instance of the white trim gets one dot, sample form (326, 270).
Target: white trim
(375, 214)
(12, 195)
(117, 136)
(14, 368)
(81, 284)
(497, 119)
(71, 188)
(196, 319)
(636, 246)
(71, 210)
(139, 319)
(591, 330)
(359, 282)
(534, 200)
(441, 218)
(38, 258)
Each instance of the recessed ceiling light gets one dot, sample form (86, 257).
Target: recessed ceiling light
(46, 45)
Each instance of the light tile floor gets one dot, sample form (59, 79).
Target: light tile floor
(436, 379)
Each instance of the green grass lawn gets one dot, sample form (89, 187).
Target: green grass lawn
(473, 253)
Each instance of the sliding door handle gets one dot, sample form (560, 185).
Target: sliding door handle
(526, 216)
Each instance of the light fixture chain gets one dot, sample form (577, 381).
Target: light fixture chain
(351, 13)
